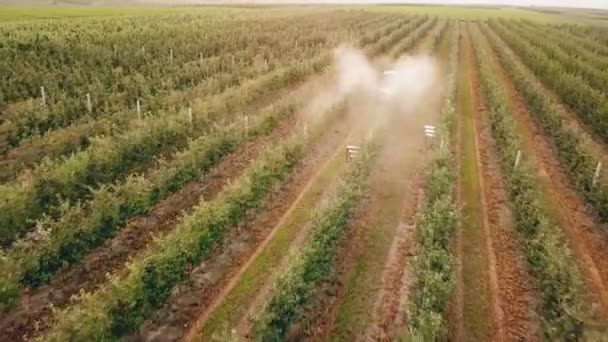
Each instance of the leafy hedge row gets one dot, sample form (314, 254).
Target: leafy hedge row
(590, 104)
(37, 59)
(561, 304)
(591, 37)
(78, 229)
(386, 42)
(414, 37)
(587, 50)
(295, 288)
(572, 150)
(130, 297)
(107, 159)
(432, 269)
(221, 75)
(570, 56)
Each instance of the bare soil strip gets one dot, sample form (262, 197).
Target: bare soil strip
(481, 317)
(389, 310)
(268, 226)
(394, 185)
(583, 229)
(516, 295)
(35, 312)
(395, 284)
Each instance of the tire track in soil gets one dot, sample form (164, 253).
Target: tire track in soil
(515, 289)
(245, 324)
(387, 300)
(389, 307)
(34, 315)
(389, 317)
(211, 281)
(396, 178)
(495, 328)
(588, 238)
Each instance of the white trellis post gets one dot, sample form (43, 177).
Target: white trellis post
(138, 104)
(43, 95)
(190, 115)
(429, 132)
(352, 151)
(517, 159)
(89, 103)
(596, 176)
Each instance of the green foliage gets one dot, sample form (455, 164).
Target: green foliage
(107, 159)
(75, 229)
(561, 304)
(121, 306)
(589, 103)
(572, 150)
(432, 268)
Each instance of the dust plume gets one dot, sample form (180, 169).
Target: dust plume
(374, 90)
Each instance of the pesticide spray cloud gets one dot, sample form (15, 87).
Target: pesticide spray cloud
(375, 90)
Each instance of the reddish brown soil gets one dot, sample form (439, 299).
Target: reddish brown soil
(583, 229)
(208, 280)
(35, 312)
(514, 285)
(319, 320)
(389, 317)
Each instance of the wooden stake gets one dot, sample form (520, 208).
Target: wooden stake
(43, 95)
(89, 103)
(171, 56)
(596, 176)
(200, 57)
(517, 159)
(190, 115)
(138, 109)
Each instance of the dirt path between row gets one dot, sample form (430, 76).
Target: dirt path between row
(583, 229)
(514, 283)
(362, 302)
(481, 316)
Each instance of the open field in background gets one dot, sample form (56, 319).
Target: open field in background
(552, 16)
(189, 178)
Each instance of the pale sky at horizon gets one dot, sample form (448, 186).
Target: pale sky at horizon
(545, 3)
